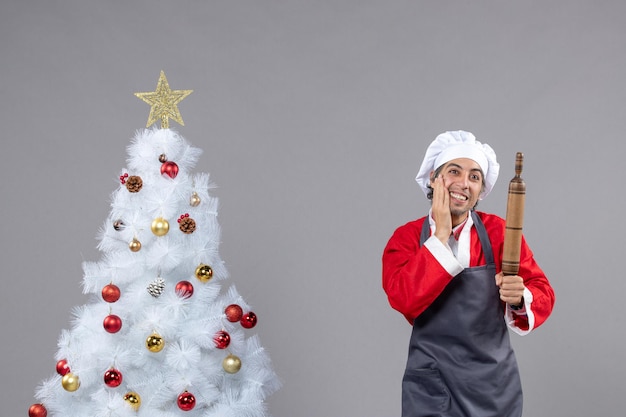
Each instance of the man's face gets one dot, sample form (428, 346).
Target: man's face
(464, 180)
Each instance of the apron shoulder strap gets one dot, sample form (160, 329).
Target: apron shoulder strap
(484, 238)
(425, 231)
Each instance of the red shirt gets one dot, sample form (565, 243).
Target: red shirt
(414, 276)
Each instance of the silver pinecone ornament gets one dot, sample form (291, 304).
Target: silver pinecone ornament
(155, 288)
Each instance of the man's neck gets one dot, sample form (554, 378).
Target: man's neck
(457, 220)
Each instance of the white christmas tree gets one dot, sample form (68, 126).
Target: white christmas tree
(158, 336)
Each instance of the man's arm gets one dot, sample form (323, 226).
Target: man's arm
(414, 276)
(537, 296)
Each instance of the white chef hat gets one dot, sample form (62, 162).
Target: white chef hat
(458, 144)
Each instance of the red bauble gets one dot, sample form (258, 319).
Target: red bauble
(248, 320)
(222, 339)
(186, 401)
(170, 168)
(184, 289)
(112, 378)
(233, 313)
(62, 367)
(112, 323)
(37, 410)
(110, 293)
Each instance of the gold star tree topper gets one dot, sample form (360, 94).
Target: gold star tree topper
(164, 103)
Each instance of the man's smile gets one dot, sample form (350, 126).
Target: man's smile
(458, 196)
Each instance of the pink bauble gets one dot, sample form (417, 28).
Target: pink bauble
(170, 168)
(112, 323)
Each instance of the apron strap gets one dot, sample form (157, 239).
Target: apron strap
(484, 238)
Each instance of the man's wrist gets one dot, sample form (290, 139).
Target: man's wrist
(518, 306)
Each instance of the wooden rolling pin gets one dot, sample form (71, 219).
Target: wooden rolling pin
(514, 220)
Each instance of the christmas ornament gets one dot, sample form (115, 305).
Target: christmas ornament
(155, 288)
(222, 339)
(186, 224)
(135, 245)
(160, 226)
(194, 200)
(164, 103)
(112, 323)
(162, 158)
(112, 378)
(234, 313)
(231, 364)
(204, 272)
(170, 169)
(133, 399)
(118, 225)
(70, 382)
(123, 178)
(186, 401)
(248, 321)
(184, 289)
(37, 410)
(134, 183)
(110, 293)
(155, 343)
(62, 367)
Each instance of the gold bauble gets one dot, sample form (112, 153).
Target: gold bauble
(135, 245)
(70, 382)
(160, 226)
(204, 272)
(133, 399)
(231, 364)
(194, 200)
(155, 343)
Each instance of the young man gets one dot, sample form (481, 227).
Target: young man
(442, 272)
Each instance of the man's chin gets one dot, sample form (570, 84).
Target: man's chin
(456, 211)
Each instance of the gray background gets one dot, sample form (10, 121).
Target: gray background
(313, 117)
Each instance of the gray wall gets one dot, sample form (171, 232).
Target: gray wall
(314, 116)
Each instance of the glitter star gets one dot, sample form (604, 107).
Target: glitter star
(163, 103)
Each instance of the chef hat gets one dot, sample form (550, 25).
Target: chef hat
(458, 144)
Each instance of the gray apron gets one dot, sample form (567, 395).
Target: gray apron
(460, 359)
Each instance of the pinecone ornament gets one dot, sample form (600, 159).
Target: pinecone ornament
(134, 183)
(187, 225)
(155, 288)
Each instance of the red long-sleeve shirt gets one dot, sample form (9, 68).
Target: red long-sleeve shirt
(414, 276)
